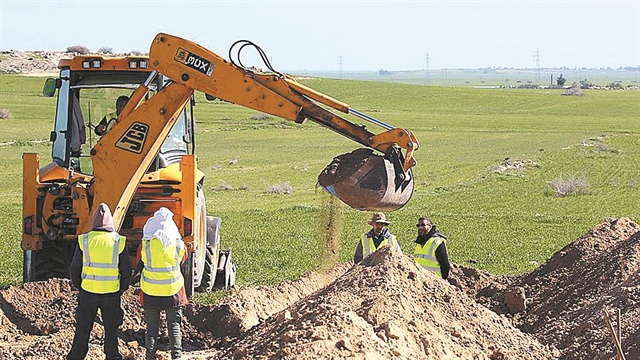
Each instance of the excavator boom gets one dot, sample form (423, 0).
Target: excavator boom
(386, 186)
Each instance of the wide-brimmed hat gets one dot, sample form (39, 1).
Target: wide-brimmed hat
(378, 218)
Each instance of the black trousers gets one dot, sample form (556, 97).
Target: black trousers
(86, 311)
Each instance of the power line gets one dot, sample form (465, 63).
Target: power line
(537, 57)
(426, 73)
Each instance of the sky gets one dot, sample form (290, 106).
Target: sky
(345, 35)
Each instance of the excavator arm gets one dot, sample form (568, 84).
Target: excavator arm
(277, 94)
(122, 156)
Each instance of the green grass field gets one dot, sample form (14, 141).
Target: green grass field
(505, 222)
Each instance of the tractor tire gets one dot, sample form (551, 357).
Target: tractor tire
(52, 261)
(208, 276)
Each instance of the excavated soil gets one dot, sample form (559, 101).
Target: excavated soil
(385, 307)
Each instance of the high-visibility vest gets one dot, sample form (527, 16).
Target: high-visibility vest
(161, 274)
(426, 254)
(369, 247)
(100, 252)
(111, 124)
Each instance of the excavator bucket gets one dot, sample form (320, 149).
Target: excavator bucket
(366, 181)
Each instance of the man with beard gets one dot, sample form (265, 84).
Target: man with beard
(431, 248)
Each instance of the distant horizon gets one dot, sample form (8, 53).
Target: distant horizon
(625, 68)
(314, 35)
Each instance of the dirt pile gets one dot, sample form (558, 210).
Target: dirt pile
(567, 295)
(385, 307)
(562, 301)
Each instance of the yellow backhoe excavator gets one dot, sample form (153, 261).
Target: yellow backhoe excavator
(147, 159)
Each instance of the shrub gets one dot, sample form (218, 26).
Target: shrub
(571, 186)
(260, 116)
(82, 50)
(5, 114)
(284, 188)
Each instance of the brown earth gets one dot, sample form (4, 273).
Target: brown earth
(385, 307)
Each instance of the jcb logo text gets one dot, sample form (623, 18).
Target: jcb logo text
(133, 138)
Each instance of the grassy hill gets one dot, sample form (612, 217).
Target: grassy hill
(487, 168)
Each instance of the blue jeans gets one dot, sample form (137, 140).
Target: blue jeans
(86, 311)
(152, 318)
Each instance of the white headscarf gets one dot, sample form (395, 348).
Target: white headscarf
(162, 227)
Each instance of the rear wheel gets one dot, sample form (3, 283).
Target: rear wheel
(208, 276)
(52, 261)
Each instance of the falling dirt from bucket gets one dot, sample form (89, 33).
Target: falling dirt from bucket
(366, 181)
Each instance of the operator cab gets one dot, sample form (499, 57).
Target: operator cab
(88, 87)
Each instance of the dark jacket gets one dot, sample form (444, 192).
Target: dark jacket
(441, 250)
(101, 221)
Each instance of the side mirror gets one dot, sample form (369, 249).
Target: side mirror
(209, 97)
(50, 86)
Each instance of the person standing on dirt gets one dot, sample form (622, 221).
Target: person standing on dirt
(109, 120)
(376, 238)
(431, 248)
(160, 255)
(101, 271)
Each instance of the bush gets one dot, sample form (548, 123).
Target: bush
(5, 114)
(571, 186)
(260, 116)
(285, 188)
(82, 50)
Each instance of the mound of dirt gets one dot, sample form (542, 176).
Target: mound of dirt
(384, 307)
(567, 295)
(562, 301)
(387, 307)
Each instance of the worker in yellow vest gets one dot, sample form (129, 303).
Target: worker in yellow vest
(431, 248)
(110, 119)
(161, 253)
(376, 238)
(101, 271)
